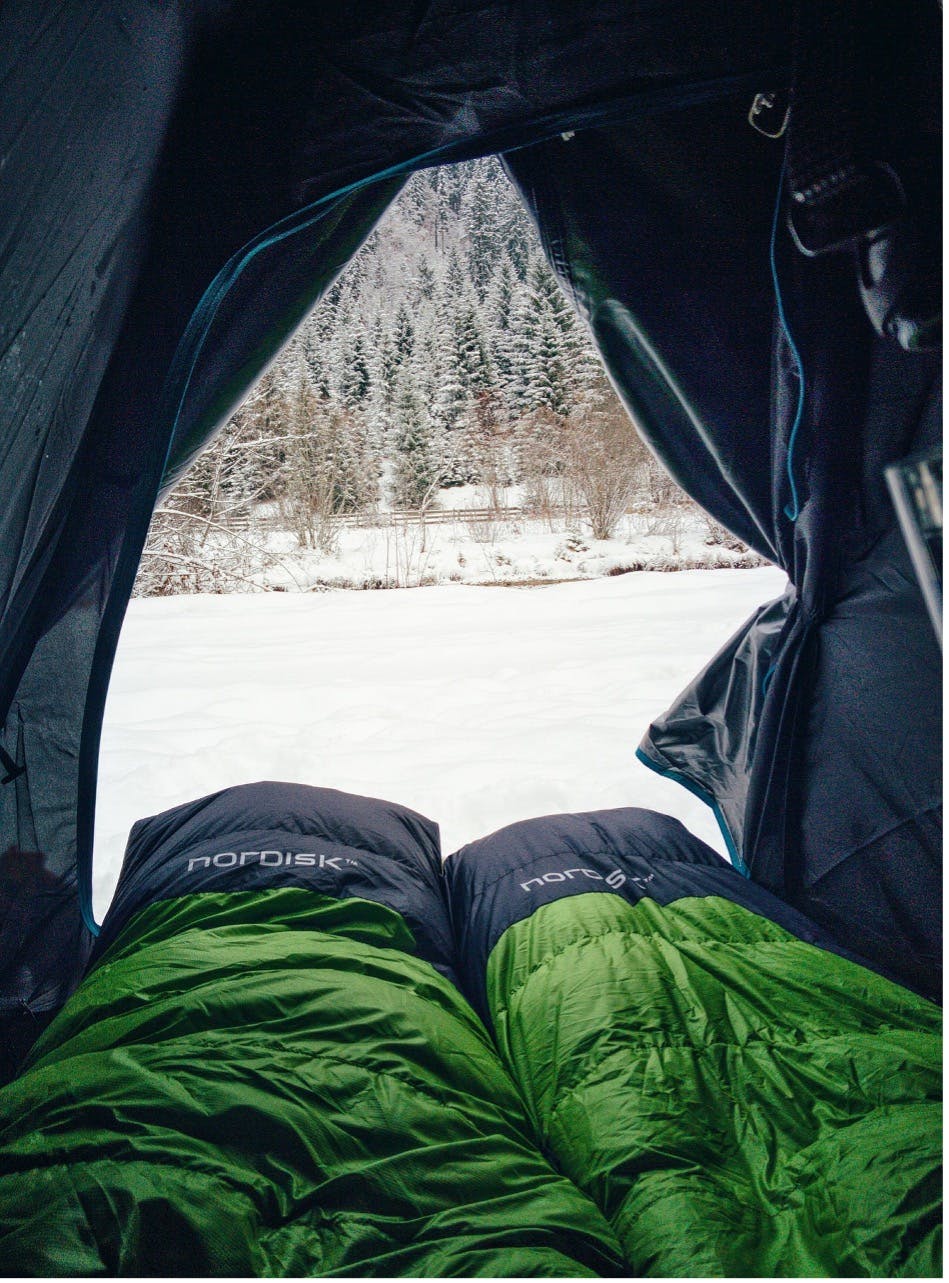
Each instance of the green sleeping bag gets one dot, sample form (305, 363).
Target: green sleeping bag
(266, 1075)
(738, 1098)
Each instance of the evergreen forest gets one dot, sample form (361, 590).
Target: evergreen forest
(445, 355)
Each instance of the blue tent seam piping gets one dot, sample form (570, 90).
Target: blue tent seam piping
(704, 796)
(793, 509)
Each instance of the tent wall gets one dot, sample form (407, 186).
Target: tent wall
(182, 183)
(816, 732)
(648, 224)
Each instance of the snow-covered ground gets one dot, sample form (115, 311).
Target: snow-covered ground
(502, 550)
(472, 536)
(477, 706)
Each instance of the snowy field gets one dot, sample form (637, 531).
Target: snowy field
(477, 706)
(472, 535)
(500, 550)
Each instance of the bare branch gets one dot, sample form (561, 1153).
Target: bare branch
(216, 525)
(175, 558)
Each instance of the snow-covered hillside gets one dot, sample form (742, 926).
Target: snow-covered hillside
(446, 359)
(476, 706)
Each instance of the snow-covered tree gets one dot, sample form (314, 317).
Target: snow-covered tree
(404, 333)
(447, 344)
(471, 350)
(548, 377)
(356, 376)
(416, 473)
(426, 283)
(480, 214)
(518, 352)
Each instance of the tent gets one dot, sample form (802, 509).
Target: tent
(275, 1065)
(181, 183)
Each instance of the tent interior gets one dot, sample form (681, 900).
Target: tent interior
(183, 182)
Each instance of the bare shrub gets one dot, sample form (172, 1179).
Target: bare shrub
(605, 461)
(668, 523)
(171, 562)
(407, 556)
(187, 553)
(287, 445)
(661, 491)
(540, 453)
(325, 470)
(204, 536)
(182, 556)
(483, 530)
(720, 536)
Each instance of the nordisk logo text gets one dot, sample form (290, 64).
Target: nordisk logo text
(270, 859)
(616, 879)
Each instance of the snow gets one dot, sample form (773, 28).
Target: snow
(477, 706)
(384, 550)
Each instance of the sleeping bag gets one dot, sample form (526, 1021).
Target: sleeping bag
(738, 1096)
(270, 1070)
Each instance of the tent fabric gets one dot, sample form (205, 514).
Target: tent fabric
(207, 169)
(738, 1098)
(183, 182)
(789, 731)
(268, 1072)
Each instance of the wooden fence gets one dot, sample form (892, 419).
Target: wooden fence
(245, 521)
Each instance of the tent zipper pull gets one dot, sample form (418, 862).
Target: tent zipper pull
(769, 113)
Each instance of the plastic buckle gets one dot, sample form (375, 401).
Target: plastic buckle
(853, 203)
(769, 113)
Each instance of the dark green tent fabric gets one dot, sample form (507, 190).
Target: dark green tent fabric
(181, 182)
(268, 1078)
(789, 731)
(738, 1099)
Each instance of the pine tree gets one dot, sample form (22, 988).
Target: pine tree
(514, 228)
(518, 358)
(452, 186)
(471, 350)
(426, 282)
(484, 245)
(546, 345)
(550, 297)
(441, 214)
(404, 333)
(314, 351)
(416, 199)
(332, 298)
(547, 378)
(425, 363)
(356, 381)
(449, 392)
(386, 369)
(415, 475)
(583, 373)
(454, 283)
(496, 316)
